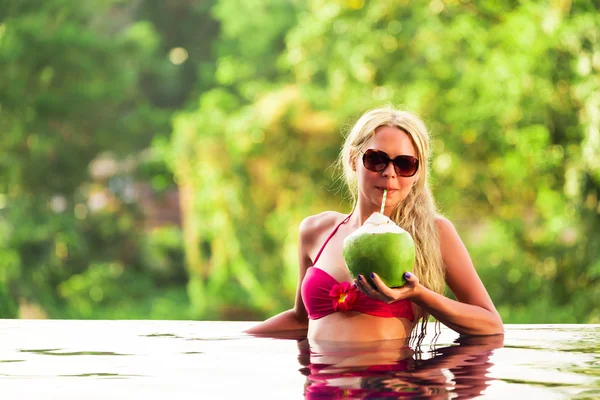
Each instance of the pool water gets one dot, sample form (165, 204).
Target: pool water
(204, 360)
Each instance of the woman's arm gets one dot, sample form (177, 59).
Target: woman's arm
(472, 313)
(295, 318)
(286, 321)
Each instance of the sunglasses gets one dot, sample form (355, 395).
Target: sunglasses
(377, 161)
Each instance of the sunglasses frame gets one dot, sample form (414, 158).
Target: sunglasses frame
(398, 168)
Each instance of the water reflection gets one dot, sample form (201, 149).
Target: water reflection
(59, 352)
(392, 369)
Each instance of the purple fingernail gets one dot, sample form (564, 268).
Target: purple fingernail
(372, 275)
(359, 278)
(407, 275)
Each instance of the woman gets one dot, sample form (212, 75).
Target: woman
(387, 149)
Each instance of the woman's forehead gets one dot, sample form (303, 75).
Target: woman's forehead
(392, 140)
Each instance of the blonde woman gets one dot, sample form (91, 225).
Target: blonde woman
(387, 149)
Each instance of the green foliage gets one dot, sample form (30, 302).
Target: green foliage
(97, 293)
(241, 107)
(509, 92)
(69, 92)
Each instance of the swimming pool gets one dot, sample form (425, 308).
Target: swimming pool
(204, 360)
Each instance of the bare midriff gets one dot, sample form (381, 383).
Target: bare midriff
(352, 326)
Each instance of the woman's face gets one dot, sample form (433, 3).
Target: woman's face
(394, 142)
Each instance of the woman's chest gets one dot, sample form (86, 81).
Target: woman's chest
(331, 260)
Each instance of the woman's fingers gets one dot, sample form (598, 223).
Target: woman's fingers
(411, 278)
(396, 293)
(359, 286)
(366, 288)
(363, 285)
(383, 288)
(383, 292)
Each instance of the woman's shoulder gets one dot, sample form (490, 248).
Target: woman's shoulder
(442, 223)
(445, 228)
(314, 225)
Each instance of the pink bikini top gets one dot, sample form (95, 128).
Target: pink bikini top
(322, 295)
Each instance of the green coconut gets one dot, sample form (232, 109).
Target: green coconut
(380, 246)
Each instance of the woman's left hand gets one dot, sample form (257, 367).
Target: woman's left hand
(385, 293)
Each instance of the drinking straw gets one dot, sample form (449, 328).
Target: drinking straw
(383, 200)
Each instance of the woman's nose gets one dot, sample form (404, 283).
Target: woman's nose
(389, 171)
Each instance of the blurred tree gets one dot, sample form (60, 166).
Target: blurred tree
(217, 160)
(260, 92)
(509, 91)
(187, 31)
(69, 91)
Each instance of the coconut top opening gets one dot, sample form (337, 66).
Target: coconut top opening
(379, 223)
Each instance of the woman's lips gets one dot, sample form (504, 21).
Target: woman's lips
(384, 188)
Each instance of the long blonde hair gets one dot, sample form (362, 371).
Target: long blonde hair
(417, 213)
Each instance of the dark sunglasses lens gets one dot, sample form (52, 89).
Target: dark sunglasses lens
(375, 160)
(406, 165)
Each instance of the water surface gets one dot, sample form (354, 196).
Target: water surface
(199, 360)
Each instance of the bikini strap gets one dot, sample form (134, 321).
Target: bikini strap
(330, 236)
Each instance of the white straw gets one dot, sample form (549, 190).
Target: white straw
(383, 201)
